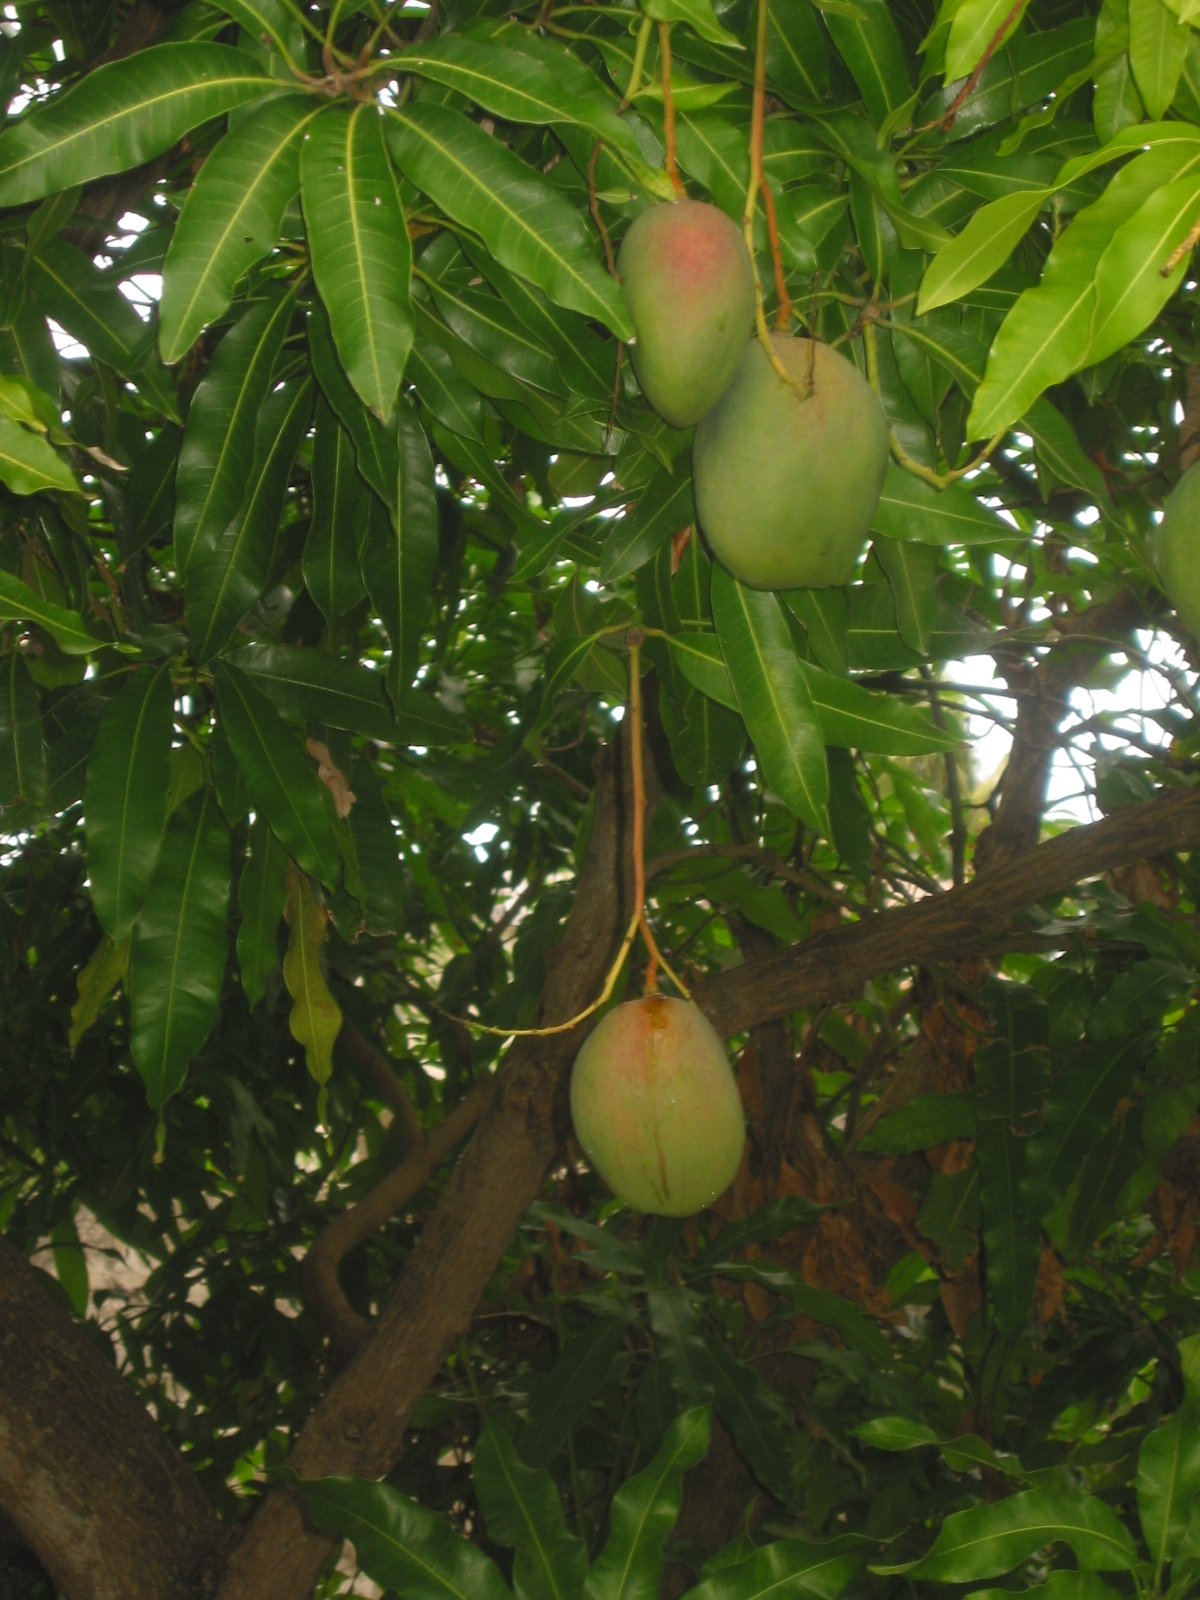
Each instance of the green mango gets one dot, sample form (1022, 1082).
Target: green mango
(689, 285)
(656, 1108)
(787, 475)
(1177, 548)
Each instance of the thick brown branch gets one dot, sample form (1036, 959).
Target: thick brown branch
(323, 1292)
(96, 1491)
(359, 1426)
(945, 927)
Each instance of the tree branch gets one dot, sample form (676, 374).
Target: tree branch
(92, 1484)
(945, 927)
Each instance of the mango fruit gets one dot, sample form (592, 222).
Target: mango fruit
(656, 1108)
(787, 478)
(689, 285)
(1177, 548)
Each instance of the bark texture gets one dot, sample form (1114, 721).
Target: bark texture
(91, 1484)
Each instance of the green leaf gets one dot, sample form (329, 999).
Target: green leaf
(315, 1019)
(282, 781)
(561, 1396)
(1168, 1481)
(223, 587)
(981, 249)
(977, 30)
(663, 509)
(644, 1510)
(70, 1263)
(66, 285)
(313, 686)
(785, 1567)
(865, 719)
(773, 696)
(123, 114)
(870, 46)
(28, 465)
(104, 969)
(522, 87)
(522, 1511)
(992, 1539)
(911, 570)
(23, 778)
(917, 511)
(269, 19)
(216, 457)
(1158, 45)
(529, 225)
(374, 445)
(339, 512)
(927, 1121)
(399, 562)
(797, 56)
(1134, 278)
(125, 798)
(361, 257)
(179, 950)
(261, 895)
(231, 218)
(894, 1433)
(698, 14)
(401, 1545)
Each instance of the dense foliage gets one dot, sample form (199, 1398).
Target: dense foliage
(332, 526)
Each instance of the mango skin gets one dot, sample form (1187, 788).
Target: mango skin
(656, 1108)
(689, 285)
(786, 487)
(1177, 548)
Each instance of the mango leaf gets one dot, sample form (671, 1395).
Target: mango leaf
(22, 748)
(977, 30)
(270, 19)
(216, 457)
(561, 1396)
(992, 1539)
(529, 226)
(339, 511)
(773, 695)
(982, 248)
(698, 14)
(261, 895)
(361, 257)
(374, 445)
(871, 47)
(231, 218)
(797, 55)
(927, 1121)
(104, 969)
(523, 87)
(282, 781)
(895, 1433)
(910, 509)
(1158, 45)
(1134, 278)
(223, 587)
(401, 1545)
(179, 949)
(644, 1509)
(786, 1567)
(125, 797)
(399, 562)
(522, 1511)
(662, 510)
(313, 686)
(123, 114)
(911, 570)
(1168, 1481)
(28, 465)
(315, 1019)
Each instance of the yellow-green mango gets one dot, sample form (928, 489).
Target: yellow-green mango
(656, 1108)
(1177, 548)
(689, 285)
(787, 475)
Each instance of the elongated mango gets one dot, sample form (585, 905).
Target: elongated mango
(787, 477)
(656, 1108)
(689, 285)
(1177, 548)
